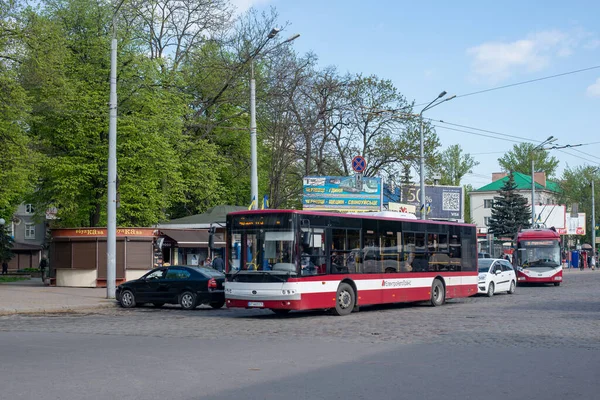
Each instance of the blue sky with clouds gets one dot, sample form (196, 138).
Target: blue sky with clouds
(464, 47)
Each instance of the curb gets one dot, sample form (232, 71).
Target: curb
(58, 309)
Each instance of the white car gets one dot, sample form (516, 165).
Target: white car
(496, 275)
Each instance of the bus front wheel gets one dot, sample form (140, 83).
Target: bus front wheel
(438, 294)
(345, 299)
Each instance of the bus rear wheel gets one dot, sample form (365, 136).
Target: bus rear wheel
(344, 300)
(438, 294)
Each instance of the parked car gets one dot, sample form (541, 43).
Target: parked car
(177, 284)
(496, 275)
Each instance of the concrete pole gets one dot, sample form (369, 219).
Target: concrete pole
(254, 168)
(593, 221)
(111, 232)
(532, 193)
(422, 173)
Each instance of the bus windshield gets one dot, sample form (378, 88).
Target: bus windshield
(539, 256)
(262, 250)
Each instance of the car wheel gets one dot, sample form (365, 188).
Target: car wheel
(279, 311)
(158, 304)
(187, 300)
(512, 287)
(217, 304)
(438, 294)
(556, 283)
(127, 299)
(344, 303)
(491, 289)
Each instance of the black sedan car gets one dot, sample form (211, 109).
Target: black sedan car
(184, 285)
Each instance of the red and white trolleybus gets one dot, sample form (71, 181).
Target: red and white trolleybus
(538, 256)
(297, 260)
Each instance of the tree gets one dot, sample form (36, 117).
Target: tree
(519, 160)
(575, 185)
(468, 189)
(17, 156)
(454, 165)
(6, 243)
(510, 211)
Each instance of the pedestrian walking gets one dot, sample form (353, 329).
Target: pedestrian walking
(218, 263)
(43, 266)
(4, 267)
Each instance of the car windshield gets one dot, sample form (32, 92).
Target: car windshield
(484, 264)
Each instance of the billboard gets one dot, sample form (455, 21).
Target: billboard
(551, 215)
(574, 225)
(444, 202)
(341, 193)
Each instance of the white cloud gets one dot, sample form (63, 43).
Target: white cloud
(244, 5)
(496, 61)
(594, 89)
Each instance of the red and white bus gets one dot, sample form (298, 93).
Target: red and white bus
(538, 256)
(297, 260)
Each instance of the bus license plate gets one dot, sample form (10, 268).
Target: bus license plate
(256, 304)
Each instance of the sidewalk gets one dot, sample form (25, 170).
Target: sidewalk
(32, 296)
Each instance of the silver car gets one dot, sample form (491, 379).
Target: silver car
(496, 275)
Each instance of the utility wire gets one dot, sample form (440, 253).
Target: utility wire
(522, 83)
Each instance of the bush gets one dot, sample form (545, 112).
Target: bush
(29, 270)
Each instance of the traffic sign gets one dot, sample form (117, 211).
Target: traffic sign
(359, 164)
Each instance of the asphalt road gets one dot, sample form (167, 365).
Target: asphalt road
(540, 343)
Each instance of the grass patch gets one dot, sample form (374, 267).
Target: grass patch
(5, 279)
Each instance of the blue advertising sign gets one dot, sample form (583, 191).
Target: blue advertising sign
(341, 193)
(443, 202)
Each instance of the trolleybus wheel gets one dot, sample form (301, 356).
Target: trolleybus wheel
(344, 299)
(491, 289)
(556, 283)
(438, 294)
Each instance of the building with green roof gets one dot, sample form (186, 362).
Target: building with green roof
(482, 199)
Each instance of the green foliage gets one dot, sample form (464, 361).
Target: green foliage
(6, 244)
(576, 188)
(455, 165)
(510, 211)
(519, 160)
(468, 218)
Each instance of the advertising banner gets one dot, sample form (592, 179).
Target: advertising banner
(443, 202)
(341, 193)
(574, 225)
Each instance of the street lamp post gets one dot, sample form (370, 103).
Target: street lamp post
(111, 206)
(538, 147)
(422, 150)
(593, 221)
(253, 157)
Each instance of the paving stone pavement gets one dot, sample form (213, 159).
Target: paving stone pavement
(535, 316)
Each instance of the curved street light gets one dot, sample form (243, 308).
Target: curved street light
(551, 139)
(254, 163)
(422, 151)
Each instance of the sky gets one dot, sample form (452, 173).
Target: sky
(464, 47)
